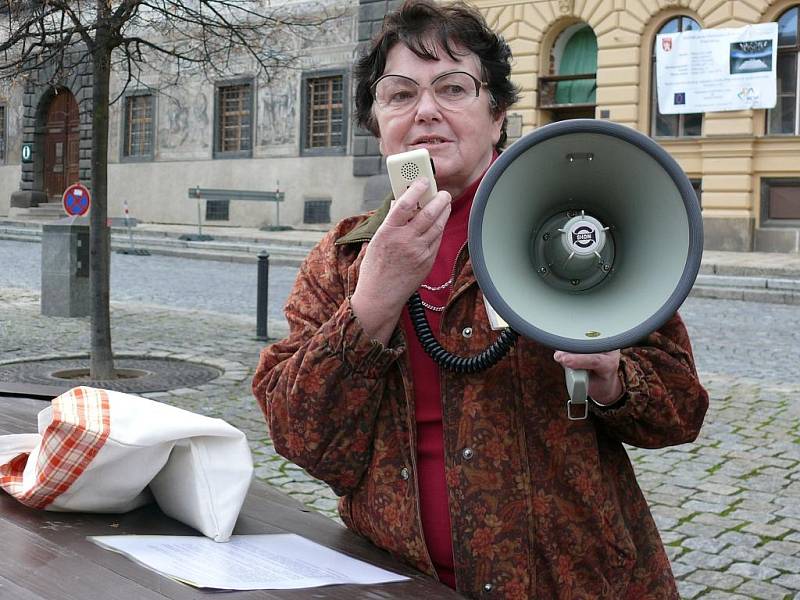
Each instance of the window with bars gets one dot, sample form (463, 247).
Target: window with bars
(2, 134)
(317, 210)
(324, 126)
(138, 124)
(234, 120)
(785, 117)
(217, 210)
(661, 125)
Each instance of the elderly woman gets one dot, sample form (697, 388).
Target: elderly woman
(479, 480)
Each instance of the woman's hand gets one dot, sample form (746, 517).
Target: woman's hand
(605, 386)
(398, 258)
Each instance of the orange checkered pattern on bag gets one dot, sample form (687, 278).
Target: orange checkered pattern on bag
(80, 426)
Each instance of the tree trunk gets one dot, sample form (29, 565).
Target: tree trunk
(102, 360)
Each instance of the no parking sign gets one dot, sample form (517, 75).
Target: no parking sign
(76, 200)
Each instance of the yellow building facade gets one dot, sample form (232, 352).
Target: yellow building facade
(745, 165)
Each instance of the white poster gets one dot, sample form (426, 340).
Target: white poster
(712, 70)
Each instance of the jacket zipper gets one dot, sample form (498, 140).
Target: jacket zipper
(456, 293)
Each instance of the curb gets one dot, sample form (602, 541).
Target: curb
(232, 249)
(724, 280)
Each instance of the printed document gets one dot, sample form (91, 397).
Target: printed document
(246, 562)
(709, 70)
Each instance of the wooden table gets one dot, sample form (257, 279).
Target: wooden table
(45, 555)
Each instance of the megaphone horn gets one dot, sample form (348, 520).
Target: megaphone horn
(585, 236)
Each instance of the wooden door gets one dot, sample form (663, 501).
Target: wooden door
(61, 144)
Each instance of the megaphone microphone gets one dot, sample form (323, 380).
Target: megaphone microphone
(585, 236)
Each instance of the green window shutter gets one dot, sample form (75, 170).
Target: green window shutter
(580, 56)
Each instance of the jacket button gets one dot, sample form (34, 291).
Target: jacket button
(467, 332)
(404, 473)
(467, 453)
(488, 587)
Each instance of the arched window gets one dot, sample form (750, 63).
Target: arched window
(579, 57)
(785, 117)
(672, 125)
(568, 91)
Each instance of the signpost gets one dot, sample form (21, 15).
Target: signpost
(216, 194)
(132, 249)
(76, 200)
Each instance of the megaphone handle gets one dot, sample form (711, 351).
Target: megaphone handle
(578, 388)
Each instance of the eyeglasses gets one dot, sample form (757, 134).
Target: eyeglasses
(454, 91)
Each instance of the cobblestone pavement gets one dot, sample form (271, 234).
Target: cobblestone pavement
(728, 506)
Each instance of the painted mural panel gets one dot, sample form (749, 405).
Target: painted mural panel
(277, 108)
(184, 126)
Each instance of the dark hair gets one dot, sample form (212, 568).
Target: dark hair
(423, 26)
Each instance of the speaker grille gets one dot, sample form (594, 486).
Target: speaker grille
(410, 171)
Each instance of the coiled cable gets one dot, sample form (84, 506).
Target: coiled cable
(452, 362)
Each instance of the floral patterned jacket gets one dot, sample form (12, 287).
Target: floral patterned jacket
(541, 506)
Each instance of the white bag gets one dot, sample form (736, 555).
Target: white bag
(105, 451)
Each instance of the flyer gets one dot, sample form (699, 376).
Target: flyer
(711, 70)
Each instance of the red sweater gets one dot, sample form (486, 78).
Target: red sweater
(427, 393)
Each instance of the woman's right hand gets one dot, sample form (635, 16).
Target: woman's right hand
(398, 258)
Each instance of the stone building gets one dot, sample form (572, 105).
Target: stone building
(745, 165)
(239, 131)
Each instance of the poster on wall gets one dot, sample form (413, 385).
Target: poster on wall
(711, 70)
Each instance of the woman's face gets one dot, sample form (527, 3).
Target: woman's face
(460, 142)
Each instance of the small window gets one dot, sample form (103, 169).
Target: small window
(138, 125)
(234, 122)
(317, 211)
(324, 124)
(2, 134)
(217, 210)
(780, 202)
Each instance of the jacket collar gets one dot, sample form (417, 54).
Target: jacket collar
(364, 231)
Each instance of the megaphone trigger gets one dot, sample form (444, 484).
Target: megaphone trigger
(578, 389)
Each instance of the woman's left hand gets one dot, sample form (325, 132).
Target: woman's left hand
(605, 386)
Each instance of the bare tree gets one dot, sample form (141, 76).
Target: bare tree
(177, 37)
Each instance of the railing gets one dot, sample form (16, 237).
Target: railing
(548, 86)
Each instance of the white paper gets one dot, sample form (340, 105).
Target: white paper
(246, 562)
(710, 70)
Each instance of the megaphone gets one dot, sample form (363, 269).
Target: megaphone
(585, 236)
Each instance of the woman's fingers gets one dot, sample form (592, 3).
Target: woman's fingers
(406, 206)
(432, 224)
(406, 211)
(605, 386)
(602, 363)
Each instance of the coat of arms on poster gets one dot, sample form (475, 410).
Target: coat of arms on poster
(711, 70)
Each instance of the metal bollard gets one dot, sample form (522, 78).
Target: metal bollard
(262, 296)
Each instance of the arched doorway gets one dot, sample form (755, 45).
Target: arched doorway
(61, 143)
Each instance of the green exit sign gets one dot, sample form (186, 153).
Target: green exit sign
(27, 153)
